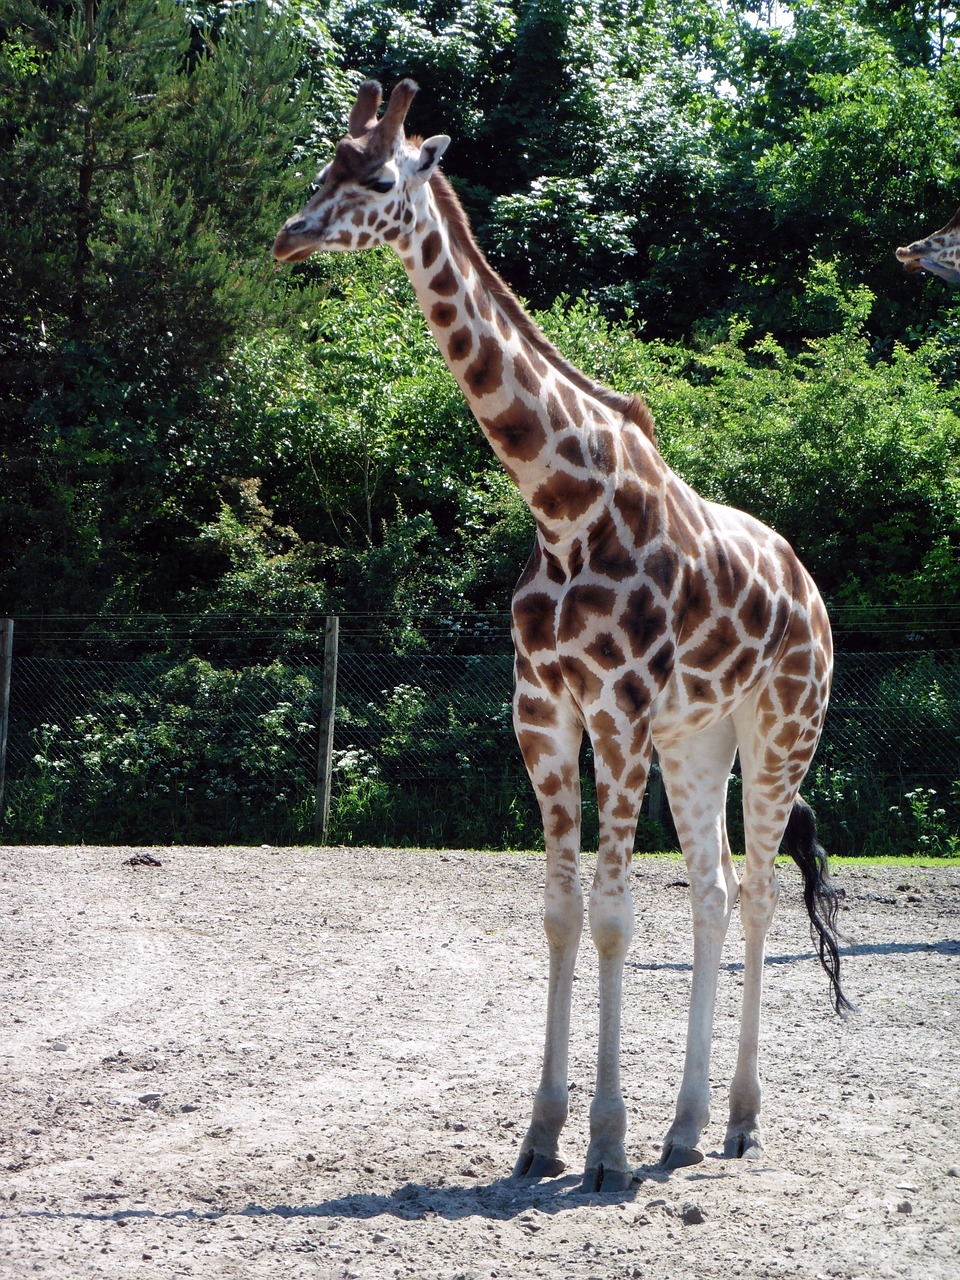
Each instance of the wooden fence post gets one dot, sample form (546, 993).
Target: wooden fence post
(6, 661)
(328, 712)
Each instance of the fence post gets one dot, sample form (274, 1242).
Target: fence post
(6, 661)
(328, 711)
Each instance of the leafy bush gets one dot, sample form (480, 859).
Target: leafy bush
(191, 753)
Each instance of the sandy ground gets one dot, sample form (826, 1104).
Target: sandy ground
(292, 1063)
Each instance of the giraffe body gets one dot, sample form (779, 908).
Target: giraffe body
(646, 617)
(938, 253)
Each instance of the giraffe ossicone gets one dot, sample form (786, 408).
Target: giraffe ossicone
(939, 253)
(646, 617)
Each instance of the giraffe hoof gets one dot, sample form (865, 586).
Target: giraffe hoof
(742, 1146)
(606, 1181)
(532, 1164)
(675, 1156)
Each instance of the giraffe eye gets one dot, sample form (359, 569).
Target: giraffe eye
(380, 185)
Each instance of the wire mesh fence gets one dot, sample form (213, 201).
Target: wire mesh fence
(192, 749)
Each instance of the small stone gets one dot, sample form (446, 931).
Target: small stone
(189, 1106)
(379, 1237)
(904, 1207)
(58, 1046)
(692, 1215)
(149, 1097)
(310, 1157)
(954, 1171)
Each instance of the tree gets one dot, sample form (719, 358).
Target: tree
(145, 160)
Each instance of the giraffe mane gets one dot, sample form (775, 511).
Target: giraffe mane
(632, 407)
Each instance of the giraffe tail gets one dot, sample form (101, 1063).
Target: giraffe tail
(821, 896)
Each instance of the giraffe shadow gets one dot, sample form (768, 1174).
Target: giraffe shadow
(500, 1200)
(943, 946)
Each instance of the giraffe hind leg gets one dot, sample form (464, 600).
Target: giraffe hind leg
(772, 814)
(695, 773)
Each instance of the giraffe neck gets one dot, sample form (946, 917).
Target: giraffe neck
(559, 435)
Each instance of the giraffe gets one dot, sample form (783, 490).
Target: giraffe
(938, 253)
(645, 617)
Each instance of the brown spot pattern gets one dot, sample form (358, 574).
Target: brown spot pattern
(430, 249)
(534, 746)
(632, 694)
(571, 451)
(550, 677)
(661, 568)
(485, 374)
(443, 314)
(731, 577)
(570, 401)
(568, 496)
(660, 665)
(445, 281)
(582, 603)
(517, 432)
(740, 670)
(605, 652)
(606, 553)
(639, 510)
(719, 643)
(695, 602)
(580, 680)
(535, 615)
(460, 344)
(698, 689)
(755, 613)
(602, 452)
(642, 619)
(525, 376)
(606, 745)
(536, 711)
(563, 821)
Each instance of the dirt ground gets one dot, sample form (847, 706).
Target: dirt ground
(299, 1063)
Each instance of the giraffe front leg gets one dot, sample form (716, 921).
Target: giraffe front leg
(552, 762)
(540, 1155)
(620, 786)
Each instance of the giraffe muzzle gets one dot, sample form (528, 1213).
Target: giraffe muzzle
(289, 246)
(919, 256)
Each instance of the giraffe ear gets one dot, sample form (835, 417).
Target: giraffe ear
(429, 157)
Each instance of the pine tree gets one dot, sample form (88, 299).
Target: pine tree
(142, 159)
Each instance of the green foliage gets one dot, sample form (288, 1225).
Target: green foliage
(703, 200)
(428, 766)
(141, 765)
(144, 164)
(856, 461)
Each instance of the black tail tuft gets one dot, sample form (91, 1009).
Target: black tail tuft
(821, 895)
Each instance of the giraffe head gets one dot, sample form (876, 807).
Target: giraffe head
(939, 253)
(368, 192)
